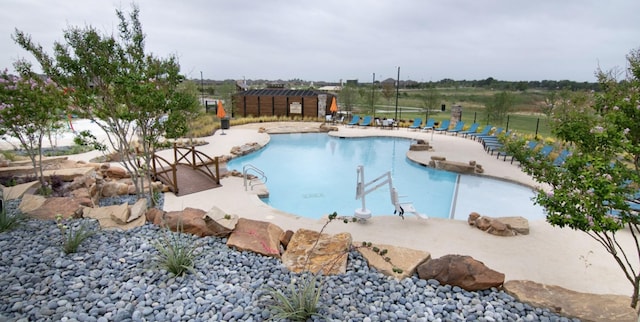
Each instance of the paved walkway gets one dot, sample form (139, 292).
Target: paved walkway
(547, 255)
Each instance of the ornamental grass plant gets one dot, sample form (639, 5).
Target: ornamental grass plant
(177, 252)
(7, 221)
(72, 237)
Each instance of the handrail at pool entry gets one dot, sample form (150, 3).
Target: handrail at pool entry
(261, 176)
(362, 189)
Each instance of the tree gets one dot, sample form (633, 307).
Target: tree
(499, 106)
(30, 106)
(370, 96)
(431, 100)
(348, 96)
(592, 190)
(116, 84)
(388, 90)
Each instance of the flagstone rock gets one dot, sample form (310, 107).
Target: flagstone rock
(31, 202)
(257, 236)
(217, 215)
(584, 306)
(105, 216)
(462, 271)
(68, 174)
(308, 250)
(17, 191)
(517, 223)
(39, 207)
(286, 238)
(403, 258)
(137, 210)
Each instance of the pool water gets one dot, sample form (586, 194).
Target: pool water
(314, 174)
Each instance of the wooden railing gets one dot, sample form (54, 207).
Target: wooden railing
(196, 160)
(163, 169)
(204, 161)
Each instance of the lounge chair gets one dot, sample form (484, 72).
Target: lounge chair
(472, 129)
(530, 146)
(444, 126)
(429, 125)
(366, 121)
(485, 131)
(561, 158)
(417, 122)
(489, 137)
(354, 121)
(457, 129)
(545, 151)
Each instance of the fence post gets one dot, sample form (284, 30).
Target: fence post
(175, 153)
(537, 125)
(217, 172)
(474, 116)
(175, 177)
(507, 129)
(193, 157)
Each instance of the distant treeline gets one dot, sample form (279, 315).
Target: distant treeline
(491, 83)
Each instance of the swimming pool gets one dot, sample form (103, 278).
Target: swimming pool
(314, 174)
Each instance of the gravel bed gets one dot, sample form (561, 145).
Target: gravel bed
(114, 277)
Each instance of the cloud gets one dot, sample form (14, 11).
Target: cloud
(332, 40)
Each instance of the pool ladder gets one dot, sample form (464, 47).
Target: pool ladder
(261, 177)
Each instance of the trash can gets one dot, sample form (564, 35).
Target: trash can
(224, 123)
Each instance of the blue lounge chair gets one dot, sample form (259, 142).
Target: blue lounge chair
(429, 125)
(546, 150)
(354, 121)
(457, 129)
(530, 146)
(472, 129)
(485, 131)
(417, 122)
(484, 139)
(444, 125)
(561, 158)
(366, 121)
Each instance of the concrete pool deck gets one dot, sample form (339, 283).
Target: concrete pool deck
(548, 255)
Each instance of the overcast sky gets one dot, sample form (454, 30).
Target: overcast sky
(331, 40)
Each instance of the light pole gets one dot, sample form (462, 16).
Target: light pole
(397, 94)
(373, 89)
(202, 88)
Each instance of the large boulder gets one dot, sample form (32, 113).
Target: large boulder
(309, 250)
(502, 226)
(406, 259)
(584, 306)
(113, 172)
(257, 236)
(462, 271)
(454, 166)
(188, 220)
